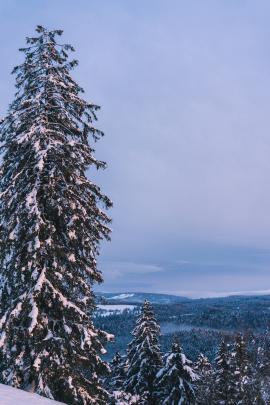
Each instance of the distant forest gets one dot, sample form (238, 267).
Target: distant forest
(200, 324)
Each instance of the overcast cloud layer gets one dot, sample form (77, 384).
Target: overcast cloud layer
(184, 89)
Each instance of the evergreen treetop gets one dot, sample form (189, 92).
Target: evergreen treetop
(144, 356)
(203, 366)
(225, 380)
(203, 385)
(241, 355)
(118, 371)
(175, 380)
(248, 385)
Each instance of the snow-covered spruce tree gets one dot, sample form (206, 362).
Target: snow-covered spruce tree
(248, 391)
(242, 369)
(176, 379)
(51, 226)
(241, 354)
(225, 380)
(204, 383)
(203, 366)
(262, 376)
(118, 372)
(144, 356)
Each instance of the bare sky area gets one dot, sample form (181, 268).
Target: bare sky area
(184, 89)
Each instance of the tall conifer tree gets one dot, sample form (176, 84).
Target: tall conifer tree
(242, 369)
(118, 372)
(262, 367)
(225, 380)
(144, 356)
(52, 222)
(204, 383)
(247, 382)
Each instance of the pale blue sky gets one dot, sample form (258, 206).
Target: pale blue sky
(185, 93)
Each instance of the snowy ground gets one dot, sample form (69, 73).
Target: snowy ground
(111, 309)
(121, 296)
(13, 396)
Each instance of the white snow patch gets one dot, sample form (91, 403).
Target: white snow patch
(122, 296)
(37, 243)
(37, 363)
(112, 309)
(49, 335)
(37, 146)
(110, 337)
(3, 320)
(12, 235)
(15, 312)
(72, 234)
(68, 330)
(71, 258)
(70, 382)
(49, 241)
(122, 398)
(14, 396)
(33, 315)
(30, 198)
(2, 339)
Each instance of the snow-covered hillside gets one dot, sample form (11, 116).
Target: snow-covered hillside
(121, 296)
(138, 298)
(13, 396)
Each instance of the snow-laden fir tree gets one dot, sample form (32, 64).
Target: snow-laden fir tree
(52, 222)
(225, 380)
(115, 382)
(118, 367)
(203, 366)
(241, 354)
(247, 381)
(242, 369)
(204, 383)
(263, 366)
(175, 381)
(144, 356)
